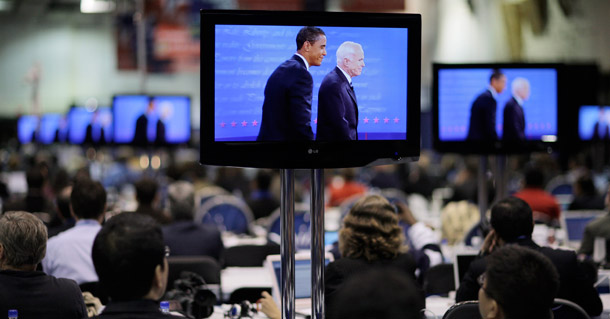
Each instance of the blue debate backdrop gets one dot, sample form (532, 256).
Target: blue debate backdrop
(246, 55)
(588, 116)
(458, 88)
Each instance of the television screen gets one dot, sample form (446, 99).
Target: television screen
(53, 128)
(594, 123)
(154, 120)
(495, 107)
(349, 96)
(90, 127)
(27, 128)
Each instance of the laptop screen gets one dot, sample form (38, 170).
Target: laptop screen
(302, 276)
(461, 263)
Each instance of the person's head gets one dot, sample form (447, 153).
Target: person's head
(35, 178)
(511, 219)
(263, 179)
(371, 231)
(181, 195)
(129, 257)
(584, 186)
(497, 80)
(151, 106)
(350, 58)
(23, 241)
(534, 178)
(146, 191)
(311, 44)
(521, 88)
(88, 199)
(519, 283)
(378, 293)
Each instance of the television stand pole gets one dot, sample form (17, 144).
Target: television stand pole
(482, 190)
(501, 189)
(317, 243)
(287, 246)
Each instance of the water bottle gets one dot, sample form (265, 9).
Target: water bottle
(164, 307)
(12, 314)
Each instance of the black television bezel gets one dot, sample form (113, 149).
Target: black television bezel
(493, 147)
(309, 154)
(152, 96)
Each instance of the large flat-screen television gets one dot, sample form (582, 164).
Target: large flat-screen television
(151, 120)
(53, 128)
(594, 123)
(495, 108)
(27, 128)
(262, 107)
(87, 126)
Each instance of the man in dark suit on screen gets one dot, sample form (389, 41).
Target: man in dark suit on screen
(288, 93)
(140, 136)
(337, 106)
(514, 119)
(483, 110)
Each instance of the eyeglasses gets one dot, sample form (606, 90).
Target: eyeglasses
(167, 251)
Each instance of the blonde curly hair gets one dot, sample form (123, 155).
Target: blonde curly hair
(371, 231)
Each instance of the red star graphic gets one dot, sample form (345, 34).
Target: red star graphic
(366, 120)
(233, 124)
(386, 120)
(375, 120)
(223, 124)
(395, 120)
(316, 121)
(244, 123)
(254, 123)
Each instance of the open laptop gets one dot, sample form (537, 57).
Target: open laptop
(302, 281)
(461, 262)
(574, 223)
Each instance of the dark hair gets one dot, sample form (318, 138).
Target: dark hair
(586, 185)
(35, 177)
(309, 34)
(522, 281)
(88, 199)
(146, 190)
(512, 218)
(125, 254)
(371, 231)
(263, 179)
(534, 177)
(379, 293)
(495, 75)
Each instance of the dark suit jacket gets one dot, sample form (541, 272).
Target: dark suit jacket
(187, 238)
(37, 295)
(287, 106)
(141, 136)
(339, 271)
(136, 309)
(160, 139)
(605, 134)
(337, 109)
(514, 121)
(483, 118)
(573, 284)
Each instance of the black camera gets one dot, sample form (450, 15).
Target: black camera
(191, 293)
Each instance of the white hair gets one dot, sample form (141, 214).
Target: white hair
(346, 48)
(518, 84)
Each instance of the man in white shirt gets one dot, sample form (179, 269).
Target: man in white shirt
(69, 253)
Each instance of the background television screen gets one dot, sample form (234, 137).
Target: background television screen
(246, 55)
(91, 127)
(457, 86)
(168, 113)
(594, 122)
(53, 128)
(241, 49)
(27, 126)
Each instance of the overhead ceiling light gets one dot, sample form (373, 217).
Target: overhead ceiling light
(96, 6)
(6, 5)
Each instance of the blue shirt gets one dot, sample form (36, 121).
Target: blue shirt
(69, 253)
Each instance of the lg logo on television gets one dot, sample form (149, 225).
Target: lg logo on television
(312, 151)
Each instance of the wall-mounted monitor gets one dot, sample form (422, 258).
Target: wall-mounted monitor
(53, 128)
(495, 108)
(594, 123)
(264, 106)
(151, 120)
(90, 126)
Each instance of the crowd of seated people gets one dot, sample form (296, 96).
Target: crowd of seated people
(74, 209)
